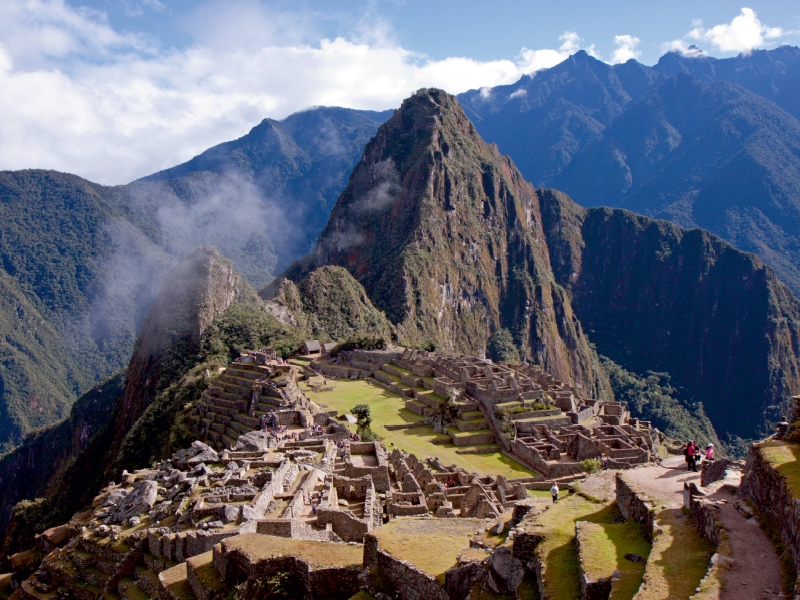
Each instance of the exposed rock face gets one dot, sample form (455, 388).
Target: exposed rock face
(447, 239)
(328, 302)
(653, 296)
(197, 290)
(139, 501)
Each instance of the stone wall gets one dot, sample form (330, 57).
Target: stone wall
(714, 470)
(344, 524)
(334, 583)
(635, 505)
(769, 491)
(408, 580)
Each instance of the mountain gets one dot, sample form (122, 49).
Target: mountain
(544, 119)
(446, 237)
(300, 165)
(654, 297)
(451, 242)
(703, 142)
(81, 263)
(772, 74)
(709, 155)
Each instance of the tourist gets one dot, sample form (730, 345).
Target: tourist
(710, 452)
(689, 456)
(554, 492)
(314, 508)
(782, 428)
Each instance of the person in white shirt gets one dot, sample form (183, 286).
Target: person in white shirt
(554, 492)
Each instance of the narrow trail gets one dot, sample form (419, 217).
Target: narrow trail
(756, 571)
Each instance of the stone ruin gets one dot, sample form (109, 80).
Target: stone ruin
(546, 423)
(258, 384)
(309, 491)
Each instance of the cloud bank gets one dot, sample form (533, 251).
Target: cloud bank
(78, 96)
(743, 34)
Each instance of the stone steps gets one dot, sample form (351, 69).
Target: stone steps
(203, 577)
(471, 438)
(245, 419)
(174, 584)
(146, 581)
(473, 425)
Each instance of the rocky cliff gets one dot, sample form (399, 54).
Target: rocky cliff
(327, 304)
(198, 289)
(446, 237)
(655, 297)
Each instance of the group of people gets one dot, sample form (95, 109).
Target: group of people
(310, 499)
(693, 455)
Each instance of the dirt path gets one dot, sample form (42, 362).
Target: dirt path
(756, 572)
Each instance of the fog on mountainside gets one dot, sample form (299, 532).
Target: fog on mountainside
(86, 260)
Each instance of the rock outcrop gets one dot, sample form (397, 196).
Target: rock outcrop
(199, 288)
(327, 303)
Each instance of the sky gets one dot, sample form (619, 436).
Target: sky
(113, 90)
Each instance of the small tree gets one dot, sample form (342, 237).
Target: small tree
(501, 347)
(364, 422)
(591, 465)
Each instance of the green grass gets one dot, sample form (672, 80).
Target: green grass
(785, 458)
(603, 550)
(678, 560)
(389, 408)
(558, 551)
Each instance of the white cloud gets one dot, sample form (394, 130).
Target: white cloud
(743, 34)
(530, 61)
(626, 48)
(78, 96)
(519, 93)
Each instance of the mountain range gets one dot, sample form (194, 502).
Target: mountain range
(703, 142)
(80, 263)
(437, 240)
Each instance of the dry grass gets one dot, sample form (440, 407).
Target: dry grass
(432, 545)
(257, 547)
(678, 560)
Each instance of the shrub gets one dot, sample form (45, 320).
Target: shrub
(591, 465)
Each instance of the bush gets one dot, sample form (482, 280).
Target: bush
(591, 465)
(501, 347)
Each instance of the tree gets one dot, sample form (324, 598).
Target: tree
(501, 347)
(363, 418)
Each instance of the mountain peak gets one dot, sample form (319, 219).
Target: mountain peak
(446, 237)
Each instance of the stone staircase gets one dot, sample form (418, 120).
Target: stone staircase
(222, 412)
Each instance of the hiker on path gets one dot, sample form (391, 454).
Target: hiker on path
(554, 492)
(710, 452)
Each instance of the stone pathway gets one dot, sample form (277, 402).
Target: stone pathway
(756, 572)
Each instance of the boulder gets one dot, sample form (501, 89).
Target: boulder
(137, 502)
(253, 441)
(505, 571)
(229, 514)
(115, 497)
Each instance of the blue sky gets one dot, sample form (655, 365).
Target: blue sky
(477, 29)
(116, 89)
